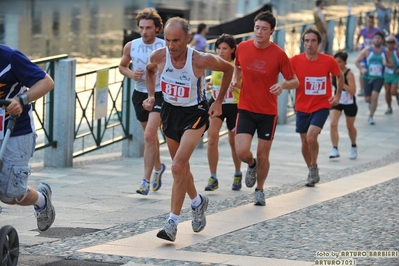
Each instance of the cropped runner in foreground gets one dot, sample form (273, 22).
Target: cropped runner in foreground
(22, 82)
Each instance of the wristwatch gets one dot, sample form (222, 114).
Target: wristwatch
(23, 98)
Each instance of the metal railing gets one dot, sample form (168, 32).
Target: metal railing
(93, 133)
(43, 108)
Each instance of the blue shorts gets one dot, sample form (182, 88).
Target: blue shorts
(305, 120)
(15, 172)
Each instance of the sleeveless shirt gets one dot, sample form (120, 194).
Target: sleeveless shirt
(231, 97)
(374, 63)
(140, 54)
(180, 87)
(392, 71)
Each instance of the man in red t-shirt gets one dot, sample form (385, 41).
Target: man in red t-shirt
(259, 62)
(314, 96)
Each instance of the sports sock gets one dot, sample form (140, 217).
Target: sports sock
(238, 173)
(41, 201)
(158, 171)
(174, 218)
(214, 176)
(196, 201)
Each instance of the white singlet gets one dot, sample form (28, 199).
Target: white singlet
(180, 87)
(140, 54)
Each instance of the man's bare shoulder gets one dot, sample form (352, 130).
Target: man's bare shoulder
(158, 55)
(200, 58)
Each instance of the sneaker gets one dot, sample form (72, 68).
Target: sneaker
(156, 185)
(250, 176)
(199, 220)
(353, 155)
(213, 184)
(334, 153)
(169, 231)
(371, 120)
(46, 215)
(144, 187)
(388, 111)
(361, 93)
(259, 198)
(313, 176)
(237, 183)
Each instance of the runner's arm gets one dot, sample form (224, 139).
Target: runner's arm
(36, 91)
(360, 58)
(389, 62)
(290, 84)
(351, 86)
(151, 78)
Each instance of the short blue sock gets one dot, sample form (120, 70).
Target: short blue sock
(238, 173)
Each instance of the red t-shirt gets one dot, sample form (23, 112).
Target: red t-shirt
(314, 81)
(260, 69)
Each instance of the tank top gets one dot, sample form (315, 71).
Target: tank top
(231, 97)
(392, 71)
(180, 87)
(346, 97)
(374, 64)
(140, 54)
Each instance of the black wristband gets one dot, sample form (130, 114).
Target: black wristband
(23, 98)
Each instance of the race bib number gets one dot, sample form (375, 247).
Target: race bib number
(389, 70)
(228, 98)
(315, 85)
(2, 117)
(346, 98)
(375, 70)
(176, 93)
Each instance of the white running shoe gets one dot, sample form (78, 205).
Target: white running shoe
(353, 155)
(45, 216)
(371, 120)
(334, 153)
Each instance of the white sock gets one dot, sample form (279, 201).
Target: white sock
(41, 201)
(196, 201)
(174, 218)
(158, 171)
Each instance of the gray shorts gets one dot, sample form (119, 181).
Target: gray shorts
(371, 85)
(15, 172)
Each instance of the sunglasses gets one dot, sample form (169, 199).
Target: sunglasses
(390, 42)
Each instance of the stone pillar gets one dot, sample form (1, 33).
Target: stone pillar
(133, 147)
(282, 99)
(330, 37)
(64, 115)
(349, 33)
